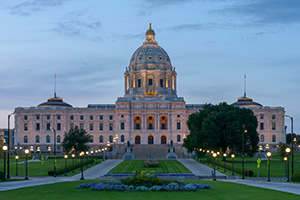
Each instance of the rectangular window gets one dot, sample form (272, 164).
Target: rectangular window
(101, 127)
(261, 116)
(163, 126)
(261, 126)
(161, 81)
(137, 126)
(273, 116)
(101, 117)
(91, 117)
(81, 117)
(37, 126)
(178, 125)
(81, 126)
(273, 126)
(25, 117)
(111, 117)
(91, 127)
(139, 82)
(71, 126)
(150, 127)
(48, 117)
(111, 127)
(122, 126)
(37, 117)
(58, 117)
(150, 82)
(48, 126)
(58, 126)
(71, 117)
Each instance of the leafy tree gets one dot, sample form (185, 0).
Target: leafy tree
(1, 145)
(288, 138)
(219, 127)
(76, 138)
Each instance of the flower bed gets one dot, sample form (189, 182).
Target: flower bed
(149, 163)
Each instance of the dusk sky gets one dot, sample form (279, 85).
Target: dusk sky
(88, 44)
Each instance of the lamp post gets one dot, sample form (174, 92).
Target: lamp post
(232, 156)
(288, 150)
(224, 157)
(105, 149)
(26, 163)
(81, 161)
(87, 159)
(73, 156)
(285, 159)
(218, 153)
(17, 158)
(92, 152)
(8, 145)
(243, 149)
(4, 149)
(65, 157)
(269, 156)
(54, 173)
(214, 155)
(207, 157)
(96, 152)
(292, 142)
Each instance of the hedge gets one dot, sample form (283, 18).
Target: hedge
(61, 170)
(296, 177)
(1, 175)
(229, 167)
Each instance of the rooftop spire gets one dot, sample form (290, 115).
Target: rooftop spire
(54, 85)
(245, 85)
(150, 34)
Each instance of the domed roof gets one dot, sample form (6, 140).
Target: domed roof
(55, 101)
(150, 55)
(246, 102)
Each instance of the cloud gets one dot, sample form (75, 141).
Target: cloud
(28, 7)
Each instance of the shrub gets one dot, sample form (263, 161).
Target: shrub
(142, 178)
(149, 163)
(1, 175)
(295, 177)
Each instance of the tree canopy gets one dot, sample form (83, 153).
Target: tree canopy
(219, 127)
(77, 138)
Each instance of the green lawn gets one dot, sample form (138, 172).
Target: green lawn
(219, 191)
(165, 166)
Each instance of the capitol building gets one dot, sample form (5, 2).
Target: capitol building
(149, 114)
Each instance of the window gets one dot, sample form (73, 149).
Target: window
(71, 117)
(122, 116)
(58, 139)
(101, 117)
(178, 126)
(48, 117)
(273, 126)
(261, 126)
(71, 126)
(139, 83)
(101, 127)
(137, 122)
(273, 116)
(91, 127)
(163, 140)
(25, 127)
(273, 138)
(111, 127)
(163, 126)
(110, 138)
(81, 126)
(150, 82)
(58, 126)
(111, 117)
(178, 116)
(58, 117)
(48, 126)
(25, 117)
(163, 122)
(150, 123)
(261, 116)
(81, 117)
(37, 117)
(161, 81)
(101, 139)
(178, 138)
(262, 138)
(37, 126)
(137, 127)
(37, 139)
(150, 127)
(122, 138)
(92, 139)
(91, 117)
(48, 138)
(122, 126)
(25, 139)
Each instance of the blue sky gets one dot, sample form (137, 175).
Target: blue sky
(88, 44)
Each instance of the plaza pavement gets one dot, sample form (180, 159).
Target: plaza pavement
(197, 168)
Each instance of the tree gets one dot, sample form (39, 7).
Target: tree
(77, 138)
(218, 127)
(1, 145)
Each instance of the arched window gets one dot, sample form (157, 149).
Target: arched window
(37, 139)
(178, 138)
(137, 139)
(137, 122)
(163, 123)
(150, 123)
(101, 139)
(110, 138)
(25, 139)
(48, 138)
(150, 139)
(273, 138)
(163, 139)
(262, 138)
(122, 138)
(58, 139)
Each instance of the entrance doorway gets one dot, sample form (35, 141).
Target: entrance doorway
(137, 139)
(163, 139)
(150, 139)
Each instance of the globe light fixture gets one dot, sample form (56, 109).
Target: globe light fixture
(26, 163)
(269, 156)
(232, 156)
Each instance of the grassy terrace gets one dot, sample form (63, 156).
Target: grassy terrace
(165, 166)
(219, 191)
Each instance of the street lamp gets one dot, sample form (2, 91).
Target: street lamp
(92, 152)
(66, 157)
(4, 149)
(87, 159)
(285, 159)
(232, 156)
(105, 149)
(218, 153)
(17, 158)
(207, 157)
(243, 149)
(54, 174)
(81, 161)
(288, 150)
(214, 155)
(26, 163)
(292, 142)
(49, 149)
(8, 145)
(224, 157)
(269, 156)
(73, 156)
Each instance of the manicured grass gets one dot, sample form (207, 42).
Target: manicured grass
(165, 166)
(218, 191)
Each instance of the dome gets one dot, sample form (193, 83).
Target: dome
(55, 102)
(246, 102)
